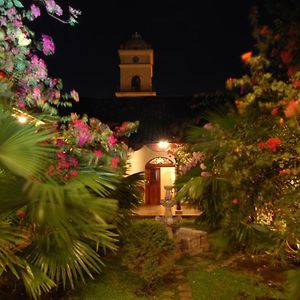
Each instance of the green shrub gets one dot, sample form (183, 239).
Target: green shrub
(148, 251)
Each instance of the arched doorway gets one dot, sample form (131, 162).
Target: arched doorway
(136, 83)
(159, 171)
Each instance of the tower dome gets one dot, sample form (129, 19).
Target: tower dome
(136, 43)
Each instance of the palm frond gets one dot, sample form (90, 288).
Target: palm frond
(12, 196)
(67, 263)
(208, 194)
(36, 282)
(100, 181)
(10, 241)
(21, 148)
(128, 191)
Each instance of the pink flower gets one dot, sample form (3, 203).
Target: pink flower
(62, 164)
(3, 21)
(36, 94)
(98, 153)
(48, 45)
(73, 161)
(202, 166)
(60, 142)
(61, 155)
(272, 143)
(53, 8)
(79, 124)
(38, 68)
(208, 126)
(75, 95)
(115, 161)
(53, 82)
(11, 13)
(35, 11)
(22, 104)
(84, 136)
(17, 23)
(50, 5)
(73, 173)
(112, 140)
(205, 174)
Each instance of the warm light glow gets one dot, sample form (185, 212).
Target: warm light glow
(22, 119)
(163, 145)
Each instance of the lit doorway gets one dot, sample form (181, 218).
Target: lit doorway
(159, 172)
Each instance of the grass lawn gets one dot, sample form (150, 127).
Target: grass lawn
(228, 285)
(116, 283)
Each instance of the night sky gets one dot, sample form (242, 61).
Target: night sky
(195, 48)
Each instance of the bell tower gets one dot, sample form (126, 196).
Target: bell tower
(136, 68)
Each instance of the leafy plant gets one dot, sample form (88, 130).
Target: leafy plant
(57, 174)
(148, 251)
(250, 170)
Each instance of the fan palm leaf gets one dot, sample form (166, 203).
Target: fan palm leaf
(21, 149)
(36, 282)
(10, 239)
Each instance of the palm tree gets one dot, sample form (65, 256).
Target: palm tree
(49, 231)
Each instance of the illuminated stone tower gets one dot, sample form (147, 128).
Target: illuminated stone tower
(136, 68)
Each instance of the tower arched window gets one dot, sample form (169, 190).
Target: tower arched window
(136, 83)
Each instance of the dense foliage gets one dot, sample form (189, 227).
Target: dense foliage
(247, 180)
(148, 251)
(57, 175)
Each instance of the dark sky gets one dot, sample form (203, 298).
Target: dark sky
(197, 44)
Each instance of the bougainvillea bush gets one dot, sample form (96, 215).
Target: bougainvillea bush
(251, 181)
(57, 174)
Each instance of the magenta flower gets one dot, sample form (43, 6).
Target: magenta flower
(78, 124)
(62, 164)
(36, 94)
(98, 153)
(83, 138)
(3, 21)
(17, 23)
(50, 5)
(53, 82)
(73, 161)
(60, 142)
(48, 45)
(53, 8)
(22, 104)
(61, 155)
(38, 68)
(115, 161)
(35, 11)
(112, 140)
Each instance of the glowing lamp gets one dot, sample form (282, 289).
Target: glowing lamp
(22, 119)
(163, 145)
